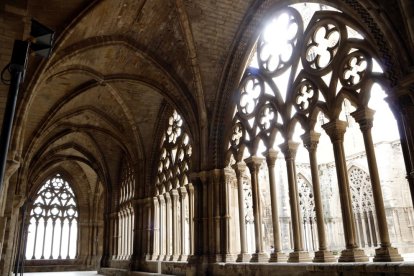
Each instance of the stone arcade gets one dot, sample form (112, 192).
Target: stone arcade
(194, 137)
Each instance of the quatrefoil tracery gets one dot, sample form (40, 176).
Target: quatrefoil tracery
(306, 96)
(354, 69)
(322, 43)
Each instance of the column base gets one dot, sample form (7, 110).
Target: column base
(174, 258)
(166, 258)
(243, 257)
(278, 257)
(183, 258)
(324, 256)
(259, 258)
(299, 257)
(353, 255)
(215, 258)
(387, 254)
(228, 258)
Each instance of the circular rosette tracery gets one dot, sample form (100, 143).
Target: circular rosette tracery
(174, 127)
(275, 49)
(251, 90)
(306, 96)
(322, 42)
(238, 135)
(266, 118)
(354, 69)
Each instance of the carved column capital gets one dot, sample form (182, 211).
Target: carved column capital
(161, 199)
(254, 163)
(271, 156)
(240, 169)
(335, 130)
(182, 191)
(289, 149)
(364, 116)
(311, 140)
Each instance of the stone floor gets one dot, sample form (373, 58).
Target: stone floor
(72, 273)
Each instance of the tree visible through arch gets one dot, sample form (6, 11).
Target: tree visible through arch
(53, 217)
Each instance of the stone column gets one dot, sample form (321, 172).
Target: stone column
(191, 215)
(254, 163)
(174, 205)
(227, 181)
(195, 197)
(114, 230)
(385, 253)
(162, 228)
(216, 202)
(277, 255)
(240, 169)
(310, 141)
(289, 150)
(205, 214)
(336, 131)
(156, 234)
(167, 226)
(183, 197)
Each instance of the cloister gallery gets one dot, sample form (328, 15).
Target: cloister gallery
(187, 137)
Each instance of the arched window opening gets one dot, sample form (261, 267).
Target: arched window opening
(363, 207)
(53, 228)
(126, 214)
(309, 82)
(173, 203)
(307, 207)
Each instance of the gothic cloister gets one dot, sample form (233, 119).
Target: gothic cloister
(189, 137)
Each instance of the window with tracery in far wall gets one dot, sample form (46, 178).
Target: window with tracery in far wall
(175, 159)
(363, 207)
(126, 215)
(173, 169)
(308, 215)
(53, 222)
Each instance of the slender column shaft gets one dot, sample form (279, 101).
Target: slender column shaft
(289, 150)
(271, 156)
(336, 131)
(60, 241)
(35, 240)
(162, 227)
(227, 186)
(365, 117)
(44, 238)
(216, 204)
(53, 239)
(156, 222)
(254, 164)
(174, 201)
(191, 212)
(276, 255)
(183, 197)
(206, 222)
(240, 169)
(167, 225)
(70, 234)
(114, 219)
(310, 145)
